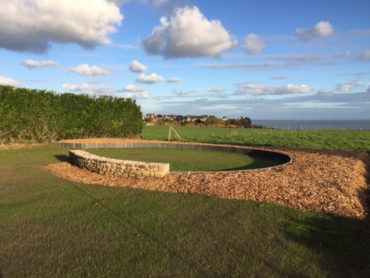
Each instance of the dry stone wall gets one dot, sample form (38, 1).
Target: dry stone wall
(117, 167)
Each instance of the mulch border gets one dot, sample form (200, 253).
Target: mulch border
(321, 181)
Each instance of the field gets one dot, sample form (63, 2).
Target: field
(347, 140)
(55, 228)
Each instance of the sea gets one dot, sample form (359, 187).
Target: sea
(315, 124)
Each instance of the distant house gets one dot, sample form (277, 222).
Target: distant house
(159, 119)
(150, 116)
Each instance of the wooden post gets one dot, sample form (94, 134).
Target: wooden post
(178, 136)
(169, 134)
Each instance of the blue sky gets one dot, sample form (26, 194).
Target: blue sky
(261, 59)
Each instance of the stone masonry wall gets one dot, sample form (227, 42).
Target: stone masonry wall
(117, 167)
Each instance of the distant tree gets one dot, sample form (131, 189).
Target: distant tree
(198, 122)
(211, 121)
(244, 122)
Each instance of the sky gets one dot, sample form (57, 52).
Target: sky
(263, 59)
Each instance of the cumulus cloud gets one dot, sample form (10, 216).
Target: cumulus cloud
(88, 89)
(145, 95)
(174, 80)
(32, 64)
(254, 44)
(85, 69)
(149, 79)
(31, 25)
(261, 89)
(322, 29)
(138, 67)
(133, 89)
(188, 33)
(6, 81)
(128, 95)
(216, 90)
(346, 87)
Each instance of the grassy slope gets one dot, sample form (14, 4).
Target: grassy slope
(313, 139)
(190, 160)
(55, 228)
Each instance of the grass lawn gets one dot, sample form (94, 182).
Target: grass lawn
(190, 160)
(347, 140)
(54, 228)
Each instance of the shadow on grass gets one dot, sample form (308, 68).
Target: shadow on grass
(343, 242)
(61, 158)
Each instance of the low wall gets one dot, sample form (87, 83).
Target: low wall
(117, 167)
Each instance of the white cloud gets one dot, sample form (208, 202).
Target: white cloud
(260, 89)
(216, 90)
(128, 95)
(32, 64)
(145, 95)
(133, 89)
(6, 81)
(254, 44)
(31, 25)
(322, 29)
(88, 89)
(138, 67)
(348, 86)
(85, 69)
(188, 34)
(149, 79)
(174, 80)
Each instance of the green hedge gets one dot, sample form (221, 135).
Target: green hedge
(41, 116)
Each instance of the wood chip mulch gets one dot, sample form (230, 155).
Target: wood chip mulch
(320, 181)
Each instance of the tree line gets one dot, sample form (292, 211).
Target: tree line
(30, 115)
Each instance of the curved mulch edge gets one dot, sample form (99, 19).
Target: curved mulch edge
(319, 181)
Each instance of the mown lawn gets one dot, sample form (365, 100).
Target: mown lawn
(346, 140)
(190, 160)
(55, 228)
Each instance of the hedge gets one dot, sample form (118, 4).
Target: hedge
(29, 115)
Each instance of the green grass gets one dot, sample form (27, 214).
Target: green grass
(190, 160)
(347, 140)
(55, 228)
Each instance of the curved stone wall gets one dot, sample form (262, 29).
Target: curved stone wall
(117, 167)
(126, 168)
